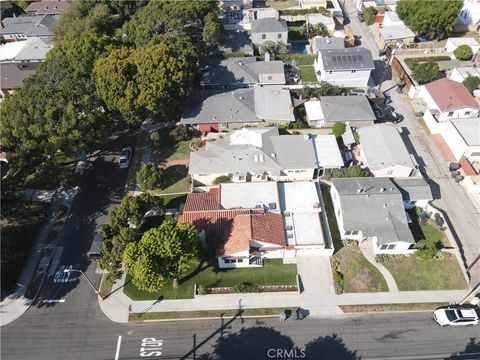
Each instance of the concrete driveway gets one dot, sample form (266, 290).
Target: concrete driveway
(315, 274)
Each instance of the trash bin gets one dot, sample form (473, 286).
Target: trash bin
(454, 166)
(282, 316)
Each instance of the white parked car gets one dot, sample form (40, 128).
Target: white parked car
(125, 158)
(454, 316)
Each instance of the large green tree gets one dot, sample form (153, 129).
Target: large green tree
(153, 80)
(472, 83)
(426, 72)
(174, 18)
(430, 17)
(213, 30)
(126, 224)
(163, 253)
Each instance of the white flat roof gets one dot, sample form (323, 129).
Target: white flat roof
(314, 110)
(469, 129)
(306, 230)
(298, 197)
(463, 41)
(248, 195)
(347, 136)
(10, 50)
(327, 152)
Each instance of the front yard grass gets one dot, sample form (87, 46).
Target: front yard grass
(391, 307)
(20, 222)
(274, 272)
(206, 313)
(358, 274)
(307, 73)
(415, 273)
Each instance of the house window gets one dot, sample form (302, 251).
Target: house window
(348, 232)
(391, 247)
(239, 260)
(279, 36)
(384, 247)
(269, 77)
(241, 178)
(226, 261)
(354, 71)
(202, 174)
(389, 172)
(264, 36)
(355, 232)
(450, 113)
(467, 112)
(330, 72)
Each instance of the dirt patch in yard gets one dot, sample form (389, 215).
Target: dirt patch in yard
(360, 281)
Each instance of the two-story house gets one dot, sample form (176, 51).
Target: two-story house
(24, 27)
(347, 67)
(269, 29)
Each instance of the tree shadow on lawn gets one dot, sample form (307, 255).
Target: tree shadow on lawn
(201, 267)
(174, 174)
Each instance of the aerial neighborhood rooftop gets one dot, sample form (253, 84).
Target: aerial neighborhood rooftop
(322, 156)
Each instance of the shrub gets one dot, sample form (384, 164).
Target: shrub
(311, 31)
(348, 172)
(338, 279)
(428, 249)
(183, 133)
(245, 287)
(325, 89)
(369, 15)
(356, 137)
(381, 258)
(313, 10)
(234, 54)
(296, 33)
(338, 129)
(156, 138)
(419, 211)
(299, 124)
(222, 179)
(426, 72)
(149, 176)
(274, 48)
(463, 52)
(413, 62)
(201, 290)
(471, 83)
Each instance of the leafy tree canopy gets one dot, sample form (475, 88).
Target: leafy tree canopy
(155, 80)
(426, 72)
(213, 30)
(273, 48)
(369, 15)
(173, 18)
(338, 129)
(162, 254)
(430, 17)
(463, 52)
(471, 83)
(149, 176)
(315, 30)
(325, 89)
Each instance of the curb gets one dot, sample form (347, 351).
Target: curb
(200, 318)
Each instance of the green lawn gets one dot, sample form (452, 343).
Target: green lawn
(168, 149)
(274, 272)
(19, 225)
(415, 273)
(358, 274)
(307, 73)
(207, 313)
(182, 151)
(282, 4)
(174, 201)
(332, 220)
(428, 231)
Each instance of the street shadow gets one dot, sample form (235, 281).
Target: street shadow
(329, 347)
(471, 351)
(252, 343)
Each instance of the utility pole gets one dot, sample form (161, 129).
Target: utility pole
(470, 294)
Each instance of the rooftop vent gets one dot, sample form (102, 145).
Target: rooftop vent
(384, 205)
(272, 206)
(273, 155)
(359, 191)
(288, 227)
(382, 190)
(286, 214)
(259, 206)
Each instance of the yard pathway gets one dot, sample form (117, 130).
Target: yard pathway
(367, 250)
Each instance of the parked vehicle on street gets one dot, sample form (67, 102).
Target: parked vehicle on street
(455, 316)
(125, 158)
(360, 16)
(94, 252)
(386, 113)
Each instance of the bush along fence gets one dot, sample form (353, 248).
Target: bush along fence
(244, 288)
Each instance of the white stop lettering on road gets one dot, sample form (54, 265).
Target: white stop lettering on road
(151, 347)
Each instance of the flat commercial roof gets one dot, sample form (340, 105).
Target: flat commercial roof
(469, 129)
(249, 195)
(327, 152)
(313, 109)
(299, 196)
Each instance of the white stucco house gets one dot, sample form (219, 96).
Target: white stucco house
(446, 99)
(384, 153)
(374, 208)
(269, 29)
(470, 14)
(461, 73)
(463, 138)
(349, 67)
(255, 155)
(248, 222)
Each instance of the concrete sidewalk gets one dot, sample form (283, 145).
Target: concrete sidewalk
(117, 306)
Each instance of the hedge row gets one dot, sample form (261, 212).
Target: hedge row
(301, 59)
(319, 10)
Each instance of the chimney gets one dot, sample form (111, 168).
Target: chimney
(267, 56)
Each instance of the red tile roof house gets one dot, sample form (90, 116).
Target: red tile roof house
(246, 222)
(447, 99)
(237, 235)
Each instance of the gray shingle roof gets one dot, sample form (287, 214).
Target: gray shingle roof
(346, 108)
(242, 105)
(347, 59)
(413, 189)
(277, 152)
(374, 206)
(13, 74)
(383, 147)
(269, 25)
(242, 70)
(237, 40)
(28, 25)
(321, 43)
